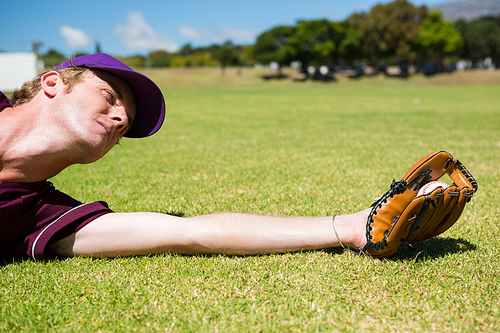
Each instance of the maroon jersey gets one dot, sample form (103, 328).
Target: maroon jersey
(34, 214)
(4, 101)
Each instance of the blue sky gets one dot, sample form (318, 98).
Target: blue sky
(130, 27)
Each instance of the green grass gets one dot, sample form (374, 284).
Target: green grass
(282, 148)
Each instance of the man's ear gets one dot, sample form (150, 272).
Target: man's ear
(51, 83)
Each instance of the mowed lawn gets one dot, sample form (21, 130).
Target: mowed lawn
(238, 143)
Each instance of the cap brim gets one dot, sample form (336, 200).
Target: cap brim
(149, 116)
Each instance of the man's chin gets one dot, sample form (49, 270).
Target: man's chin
(94, 151)
(93, 159)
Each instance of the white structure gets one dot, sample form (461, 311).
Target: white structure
(15, 69)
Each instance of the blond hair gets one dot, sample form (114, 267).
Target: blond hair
(30, 89)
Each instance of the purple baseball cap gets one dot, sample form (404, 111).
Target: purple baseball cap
(150, 102)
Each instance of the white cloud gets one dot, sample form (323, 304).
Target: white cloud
(227, 33)
(74, 37)
(192, 32)
(136, 34)
(218, 37)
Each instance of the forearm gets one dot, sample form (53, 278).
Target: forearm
(235, 233)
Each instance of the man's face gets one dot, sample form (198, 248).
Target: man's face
(98, 112)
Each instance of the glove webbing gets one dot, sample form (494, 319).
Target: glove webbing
(419, 218)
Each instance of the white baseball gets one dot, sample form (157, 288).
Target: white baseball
(431, 186)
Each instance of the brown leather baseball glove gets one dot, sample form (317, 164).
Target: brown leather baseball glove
(401, 216)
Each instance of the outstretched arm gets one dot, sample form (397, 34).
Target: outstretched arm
(123, 234)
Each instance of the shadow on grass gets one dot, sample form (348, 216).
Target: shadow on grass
(275, 77)
(173, 213)
(5, 262)
(435, 248)
(332, 250)
(425, 250)
(14, 261)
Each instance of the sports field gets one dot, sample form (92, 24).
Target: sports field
(238, 143)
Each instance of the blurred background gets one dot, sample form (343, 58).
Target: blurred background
(317, 40)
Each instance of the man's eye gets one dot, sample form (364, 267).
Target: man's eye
(110, 98)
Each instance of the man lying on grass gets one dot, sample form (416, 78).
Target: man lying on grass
(75, 114)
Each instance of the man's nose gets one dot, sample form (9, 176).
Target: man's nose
(119, 117)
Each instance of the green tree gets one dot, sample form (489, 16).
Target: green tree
(79, 54)
(160, 58)
(203, 59)
(186, 50)
(226, 54)
(97, 47)
(390, 29)
(438, 39)
(315, 42)
(323, 42)
(134, 61)
(36, 45)
(179, 61)
(481, 38)
(245, 55)
(270, 46)
(350, 48)
(52, 58)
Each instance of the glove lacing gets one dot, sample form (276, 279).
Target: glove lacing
(397, 187)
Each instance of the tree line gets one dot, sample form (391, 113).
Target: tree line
(397, 33)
